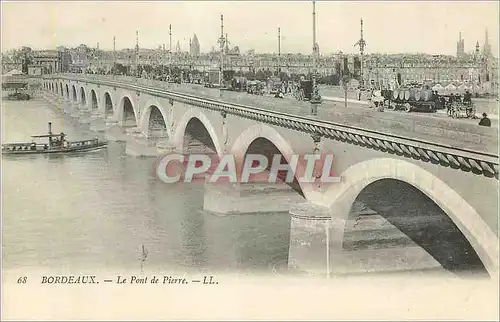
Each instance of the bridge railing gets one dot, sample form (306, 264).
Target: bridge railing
(465, 159)
(185, 87)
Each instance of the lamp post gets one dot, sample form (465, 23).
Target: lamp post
(315, 97)
(279, 51)
(137, 54)
(114, 57)
(97, 56)
(222, 43)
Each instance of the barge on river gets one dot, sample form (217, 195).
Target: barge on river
(57, 143)
(17, 88)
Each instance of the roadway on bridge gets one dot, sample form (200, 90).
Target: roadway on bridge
(489, 106)
(430, 127)
(360, 116)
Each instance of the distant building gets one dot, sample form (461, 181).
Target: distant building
(35, 70)
(11, 61)
(194, 49)
(46, 62)
(65, 56)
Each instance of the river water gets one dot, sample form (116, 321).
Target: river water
(96, 210)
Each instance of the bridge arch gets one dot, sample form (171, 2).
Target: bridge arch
(109, 106)
(127, 111)
(83, 97)
(94, 101)
(75, 97)
(67, 91)
(363, 174)
(154, 116)
(180, 130)
(264, 133)
(61, 91)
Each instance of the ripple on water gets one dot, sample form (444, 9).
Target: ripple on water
(96, 210)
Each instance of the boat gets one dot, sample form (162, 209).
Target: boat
(18, 96)
(56, 143)
(19, 89)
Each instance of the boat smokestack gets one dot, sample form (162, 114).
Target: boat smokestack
(50, 127)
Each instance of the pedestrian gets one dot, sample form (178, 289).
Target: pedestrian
(359, 93)
(485, 121)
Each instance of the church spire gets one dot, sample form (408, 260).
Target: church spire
(486, 46)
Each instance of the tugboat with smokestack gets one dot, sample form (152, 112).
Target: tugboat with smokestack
(55, 143)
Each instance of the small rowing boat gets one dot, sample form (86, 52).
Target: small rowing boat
(57, 143)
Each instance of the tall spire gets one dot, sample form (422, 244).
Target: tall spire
(170, 37)
(137, 41)
(486, 46)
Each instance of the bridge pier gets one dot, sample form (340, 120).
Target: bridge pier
(67, 106)
(98, 124)
(164, 147)
(329, 243)
(50, 97)
(97, 121)
(139, 145)
(110, 120)
(75, 110)
(84, 116)
(115, 132)
(55, 100)
(315, 235)
(231, 199)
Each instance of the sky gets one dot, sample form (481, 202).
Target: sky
(389, 27)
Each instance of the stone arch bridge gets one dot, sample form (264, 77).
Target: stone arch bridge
(414, 182)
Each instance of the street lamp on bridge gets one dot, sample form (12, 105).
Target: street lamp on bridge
(222, 42)
(113, 70)
(315, 97)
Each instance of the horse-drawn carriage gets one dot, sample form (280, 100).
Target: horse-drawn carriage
(410, 99)
(458, 106)
(428, 100)
(377, 101)
(304, 90)
(255, 87)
